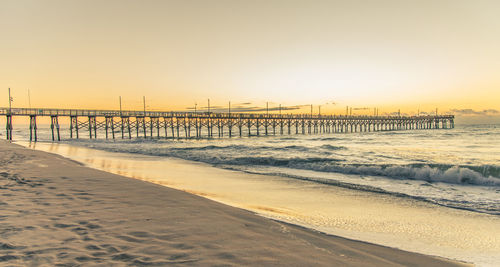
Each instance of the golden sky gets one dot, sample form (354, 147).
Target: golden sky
(406, 55)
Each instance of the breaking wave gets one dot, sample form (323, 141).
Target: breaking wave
(437, 173)
(474, 175)
(242, 155)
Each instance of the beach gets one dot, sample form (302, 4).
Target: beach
(56, 211)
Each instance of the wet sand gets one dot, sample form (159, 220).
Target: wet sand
(56, 211)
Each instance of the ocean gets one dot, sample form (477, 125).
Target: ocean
(456, 168)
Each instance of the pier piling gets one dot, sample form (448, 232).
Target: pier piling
(33, 127)
(54, 125)
(9, 127)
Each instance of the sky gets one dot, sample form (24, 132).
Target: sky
(392, 55)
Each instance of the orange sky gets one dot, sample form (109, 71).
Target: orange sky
(406, 55)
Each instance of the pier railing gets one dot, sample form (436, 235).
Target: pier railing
(204, 123)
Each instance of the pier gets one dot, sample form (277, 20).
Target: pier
(151, 124)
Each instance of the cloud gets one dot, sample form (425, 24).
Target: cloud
(492, 111)
(261, 109)
(471, 112)
(398, 114)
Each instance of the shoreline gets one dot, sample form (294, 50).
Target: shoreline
(392, 221)
(120, 211)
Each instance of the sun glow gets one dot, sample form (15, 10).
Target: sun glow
(406, 56)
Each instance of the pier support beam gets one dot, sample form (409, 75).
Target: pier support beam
(140, 122)
(172, 126)
(9, 127)
(185, 123)
(165, 126)
(92, 127)
(157, 121)
(109, 124)
(73, 125)
(177, 127)
(125, 121)
(249, 126)
(54, 124)
(33, 128)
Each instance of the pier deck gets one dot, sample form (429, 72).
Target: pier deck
(128, 123)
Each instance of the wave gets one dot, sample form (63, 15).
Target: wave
(330, 147)
(326, 139)
(481, 206)
(239, 148)
(287, 138)
(473, 175)
(315, 158)
(210, 147)
(487, 175)
(429, 173)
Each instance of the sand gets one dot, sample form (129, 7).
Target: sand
(54, 211)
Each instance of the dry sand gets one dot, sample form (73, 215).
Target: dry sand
(55, 211)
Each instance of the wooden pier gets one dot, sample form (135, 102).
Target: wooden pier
(127, 124)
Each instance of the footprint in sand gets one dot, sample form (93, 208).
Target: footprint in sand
(140, 234)
(8, 258)
(62, 225)
(92, 247)
(130, 239)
